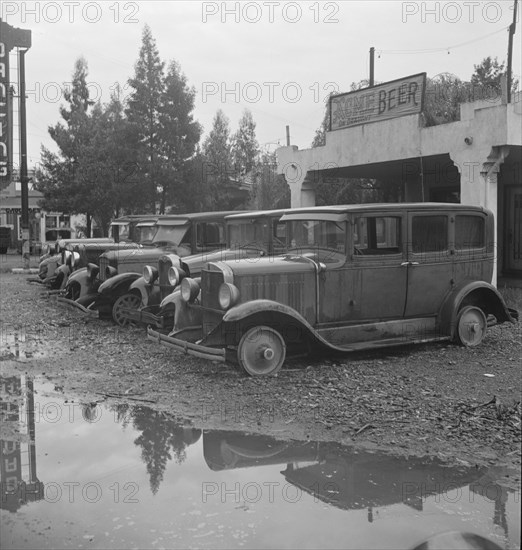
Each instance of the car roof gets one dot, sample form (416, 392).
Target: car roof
(348, 208)
(195, 216)
(258, 214)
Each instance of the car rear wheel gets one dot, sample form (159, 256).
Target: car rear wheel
(471, 326)
(124, 302)
(261, 351)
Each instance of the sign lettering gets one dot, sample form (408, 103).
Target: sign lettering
(389, 100)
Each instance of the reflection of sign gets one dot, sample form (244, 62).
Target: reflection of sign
(389, 100)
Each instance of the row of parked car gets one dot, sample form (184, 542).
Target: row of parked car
(255, 287)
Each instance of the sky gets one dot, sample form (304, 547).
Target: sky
(278, 59)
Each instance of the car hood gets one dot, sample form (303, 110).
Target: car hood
(272, 264)
(131, 255)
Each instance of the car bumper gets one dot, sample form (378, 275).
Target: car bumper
(196, 350)
(146, 316)
(81, 307)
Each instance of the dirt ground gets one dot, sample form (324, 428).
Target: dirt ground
(460, 404)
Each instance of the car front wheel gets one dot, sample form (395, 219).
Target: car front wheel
(471, 326)
(123, 303)
(261, 351)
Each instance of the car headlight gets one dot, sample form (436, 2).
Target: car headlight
(189, 289)
(228, 295)
(175, 275)
(92, 270)
(66, 257)
(150, 274)
(75, 259)
(110, 272)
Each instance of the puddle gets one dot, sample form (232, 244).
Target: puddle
(89, 476)
(20, 344)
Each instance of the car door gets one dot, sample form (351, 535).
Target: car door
(430, 263)
(371, 285)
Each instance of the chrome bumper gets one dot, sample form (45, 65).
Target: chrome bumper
(189, 348)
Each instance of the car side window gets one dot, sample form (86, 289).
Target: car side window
(210, 235)
(377, 235)
(429, 234)
(469, 232)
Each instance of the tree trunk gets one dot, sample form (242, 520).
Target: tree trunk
(89, 224)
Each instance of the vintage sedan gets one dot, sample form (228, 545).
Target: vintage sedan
(183, 235)
(355, 277)
(249, 235)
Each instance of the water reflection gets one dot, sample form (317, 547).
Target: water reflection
(160, 435)
(18, 478)
(216, 472)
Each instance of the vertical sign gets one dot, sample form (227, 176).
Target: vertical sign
(5, 152)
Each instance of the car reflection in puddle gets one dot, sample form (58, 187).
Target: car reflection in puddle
(78, 475)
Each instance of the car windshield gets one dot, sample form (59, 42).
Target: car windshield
(249, 234)
(120, 231)
(145, 234)
(317, 235)
(172, 234)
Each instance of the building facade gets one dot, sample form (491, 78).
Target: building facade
(476, 160)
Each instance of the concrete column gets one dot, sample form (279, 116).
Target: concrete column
(302, 188)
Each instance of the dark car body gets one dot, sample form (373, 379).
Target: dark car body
(355, 277)
(50, 263)
(183, 235)
(250, 235)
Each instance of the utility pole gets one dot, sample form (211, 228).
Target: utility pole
(512, 29)
(372, 66)
(288, 136)
(24, 179)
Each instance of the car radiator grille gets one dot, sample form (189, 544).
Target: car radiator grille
(104, 264)
(210, 283)
(164, 265)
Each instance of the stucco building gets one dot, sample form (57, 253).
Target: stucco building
(475, 160)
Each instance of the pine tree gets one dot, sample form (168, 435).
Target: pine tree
(61, 176)
(217, 168)
(178, 135)
(245, 147)
(143, 112)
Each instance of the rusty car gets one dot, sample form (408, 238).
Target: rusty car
(355, 277)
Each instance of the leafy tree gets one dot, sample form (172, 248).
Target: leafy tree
(218, 166)
(144, 112)
(486, 78)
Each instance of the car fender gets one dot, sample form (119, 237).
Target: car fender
(474, 292)
(139, 285)
(60, 277)
(184, 315)
(81, 278)
(119, 284)
(291, 324)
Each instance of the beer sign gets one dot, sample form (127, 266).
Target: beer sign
(389, 100)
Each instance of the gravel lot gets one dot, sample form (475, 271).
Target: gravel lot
(439, 399)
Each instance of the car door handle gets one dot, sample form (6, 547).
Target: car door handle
(409, 263)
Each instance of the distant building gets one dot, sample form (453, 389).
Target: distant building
(42, 224)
